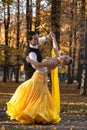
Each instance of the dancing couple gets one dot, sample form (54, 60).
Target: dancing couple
(32, 101)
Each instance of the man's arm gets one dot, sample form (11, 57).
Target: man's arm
(44, 39)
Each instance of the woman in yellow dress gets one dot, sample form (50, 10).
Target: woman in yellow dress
(32, 101)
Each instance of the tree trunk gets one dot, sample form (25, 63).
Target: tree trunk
(6, 26)
(70, 68)
(17, 45)
(84, 70)
(70, 79)
(37, 22)
(55, 18)
(82, 53)
(75, 40)
(28, 17)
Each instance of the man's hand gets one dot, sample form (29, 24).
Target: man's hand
(27, 59)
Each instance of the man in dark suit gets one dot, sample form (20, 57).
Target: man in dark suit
(33, 52)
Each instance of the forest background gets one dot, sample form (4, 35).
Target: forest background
(68, 19)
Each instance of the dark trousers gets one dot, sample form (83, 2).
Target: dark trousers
(28, 75)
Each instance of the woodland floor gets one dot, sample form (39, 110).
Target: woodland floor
(73, 109)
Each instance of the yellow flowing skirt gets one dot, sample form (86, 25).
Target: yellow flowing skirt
(32, 101)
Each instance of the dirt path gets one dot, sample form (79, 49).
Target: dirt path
(68, 122)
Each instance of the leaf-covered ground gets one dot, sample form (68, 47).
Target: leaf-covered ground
(71, 100)
(73, 109)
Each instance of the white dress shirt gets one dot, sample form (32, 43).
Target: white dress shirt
(33, 56)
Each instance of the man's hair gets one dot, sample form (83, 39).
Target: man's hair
(30, 34)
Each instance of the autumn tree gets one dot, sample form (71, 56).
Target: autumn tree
(6, 6)
(37, 21)
(55, 18)
(81, 64)
(17, 42)
(28, 17)
(83, 52)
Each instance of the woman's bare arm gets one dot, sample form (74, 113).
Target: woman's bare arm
(39, 64)
(55, 45)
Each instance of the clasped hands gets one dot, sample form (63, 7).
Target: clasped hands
(51, 35)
